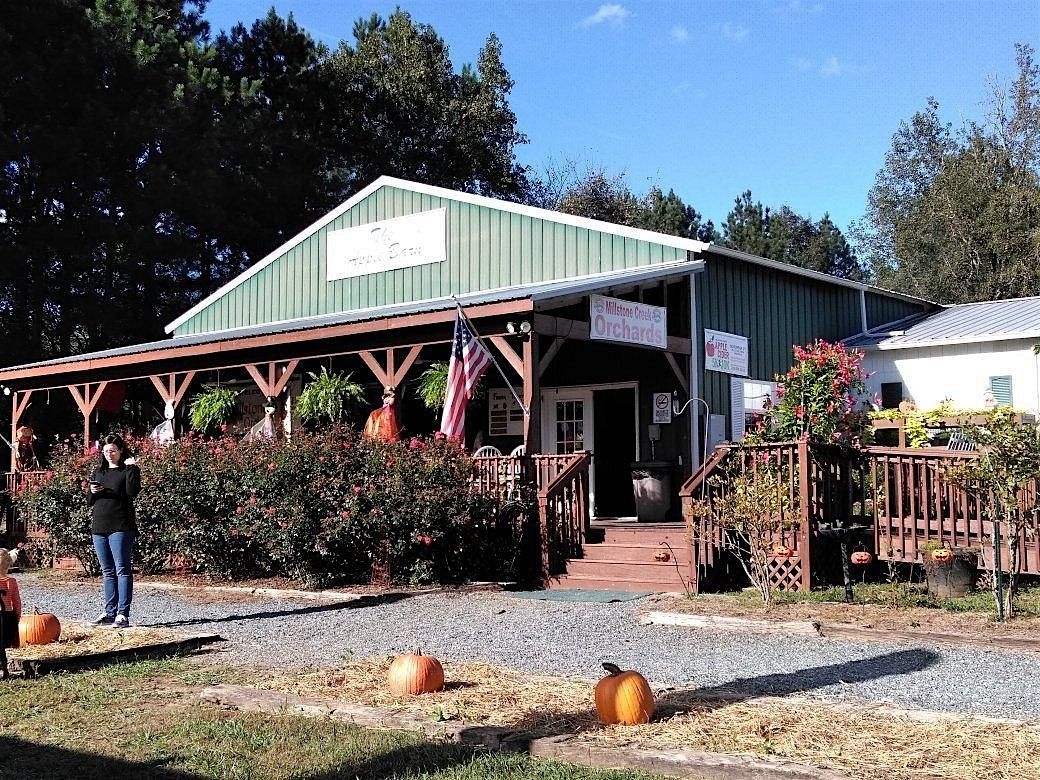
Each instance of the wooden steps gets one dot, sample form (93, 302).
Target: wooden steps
(631, 556)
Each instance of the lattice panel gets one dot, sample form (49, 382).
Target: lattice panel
(786, 574)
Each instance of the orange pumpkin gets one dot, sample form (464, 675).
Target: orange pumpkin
(861, 557)
(783, 551)
(39, 628)
(942, 555)
(414, 673)
(624, 697)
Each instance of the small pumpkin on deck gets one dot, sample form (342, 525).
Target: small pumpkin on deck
(38, 628)
(414, 673)
(942, 555)
(783, 551)
(623, 697)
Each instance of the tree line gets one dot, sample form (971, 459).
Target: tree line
(145, 160)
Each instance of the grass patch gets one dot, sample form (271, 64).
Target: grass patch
(140, 720)
(901, 594)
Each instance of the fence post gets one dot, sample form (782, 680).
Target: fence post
(805, 513)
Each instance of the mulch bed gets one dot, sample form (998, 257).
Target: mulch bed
(860, 740)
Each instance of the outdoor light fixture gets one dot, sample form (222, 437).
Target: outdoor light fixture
(7, 390)
(269, 407)
(521, 328)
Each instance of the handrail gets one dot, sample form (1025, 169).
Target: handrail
(696, 478)
(577, 463)
(924, 452)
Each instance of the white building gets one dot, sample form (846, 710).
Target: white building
(958, 353)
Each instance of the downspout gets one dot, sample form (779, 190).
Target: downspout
(863, 311)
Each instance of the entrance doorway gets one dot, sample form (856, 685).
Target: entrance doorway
(576, 418)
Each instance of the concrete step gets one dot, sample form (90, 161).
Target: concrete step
(637, 553)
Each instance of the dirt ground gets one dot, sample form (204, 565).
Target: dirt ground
(869, 616)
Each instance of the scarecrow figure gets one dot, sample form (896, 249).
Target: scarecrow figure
(25, 455)
(10, 608)
(382, 423)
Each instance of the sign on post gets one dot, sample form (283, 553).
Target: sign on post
(725, 352)
(662, 407)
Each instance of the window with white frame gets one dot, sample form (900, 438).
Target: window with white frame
(749, 399)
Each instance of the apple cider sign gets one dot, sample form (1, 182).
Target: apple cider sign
(725, 352)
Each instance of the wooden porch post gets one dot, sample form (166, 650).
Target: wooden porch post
(272, 385)
(805, 511)
(171, 390)
(393, 374)
(86, 397)
(19, 400)
(532, 397)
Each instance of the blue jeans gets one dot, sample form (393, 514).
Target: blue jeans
(115, 553)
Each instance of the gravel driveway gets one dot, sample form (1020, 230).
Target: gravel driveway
(573, 638)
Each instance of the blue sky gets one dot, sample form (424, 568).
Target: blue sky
(796, 100)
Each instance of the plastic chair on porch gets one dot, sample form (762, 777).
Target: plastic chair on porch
(487, 451)
(516, 472)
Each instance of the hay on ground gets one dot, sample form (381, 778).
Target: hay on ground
(79, 639)
(852, 739)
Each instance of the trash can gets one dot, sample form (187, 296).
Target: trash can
(652, 489)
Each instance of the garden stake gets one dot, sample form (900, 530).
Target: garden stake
(845, 573)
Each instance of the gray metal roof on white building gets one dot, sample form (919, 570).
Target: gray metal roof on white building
(967, 323)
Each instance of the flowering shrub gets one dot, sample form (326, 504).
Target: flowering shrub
(818, 397)
(322, 507)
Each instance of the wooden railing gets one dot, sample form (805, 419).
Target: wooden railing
(557, 484)
(563, 508)
(914, 503)
(16, 528)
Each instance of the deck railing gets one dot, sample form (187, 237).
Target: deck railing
(558, 484)
(16, 528)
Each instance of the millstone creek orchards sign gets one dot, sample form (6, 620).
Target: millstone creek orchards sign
(725, 352)
(611, 319)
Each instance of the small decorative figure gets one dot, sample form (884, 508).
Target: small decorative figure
(988, 399)
(25, 455)
(382, 423)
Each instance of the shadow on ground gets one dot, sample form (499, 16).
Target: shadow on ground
(336, 606)
(25, 760)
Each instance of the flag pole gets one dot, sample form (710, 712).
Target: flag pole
(525, 409)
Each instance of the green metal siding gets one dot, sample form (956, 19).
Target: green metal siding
(487, 249)
(882, 309)
(774, 310)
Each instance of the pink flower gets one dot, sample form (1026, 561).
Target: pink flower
(270, 511)
(223, 427)
(357, 490)
(270, 467)
(345, 514)
(251, 500)
(239, 510)
(282, 524)
(234, 532)
(427, 541)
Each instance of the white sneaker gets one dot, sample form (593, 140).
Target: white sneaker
(104, 619)
(121, 621)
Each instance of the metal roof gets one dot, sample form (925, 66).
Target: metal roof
(966, 323)
(537, 292)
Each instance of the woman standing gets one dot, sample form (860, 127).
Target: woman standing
(113, 486)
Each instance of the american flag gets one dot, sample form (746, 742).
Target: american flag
(469, 360)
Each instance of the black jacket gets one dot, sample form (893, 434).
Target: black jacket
(112, 509)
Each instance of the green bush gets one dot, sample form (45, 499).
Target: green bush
(322, 508)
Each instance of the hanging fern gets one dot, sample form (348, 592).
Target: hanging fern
(329, 398)
(213, 407)
(433, 385)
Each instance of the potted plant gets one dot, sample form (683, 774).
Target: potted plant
(329, 398)
(213, 407)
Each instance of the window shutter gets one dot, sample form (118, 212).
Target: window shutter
(736, 399)
(1000, 386)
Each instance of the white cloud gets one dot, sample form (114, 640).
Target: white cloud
(831, 67)
(800, 7)
(679, 34)
(734, 32)
(802, 63)
(613, 14)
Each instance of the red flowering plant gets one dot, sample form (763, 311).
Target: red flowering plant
(320, 507)
(818, 398)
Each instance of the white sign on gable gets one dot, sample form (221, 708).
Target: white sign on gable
(401, 242)
(725, 352)
(612, 319)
